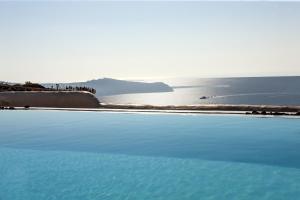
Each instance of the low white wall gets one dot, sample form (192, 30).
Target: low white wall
(53, 99)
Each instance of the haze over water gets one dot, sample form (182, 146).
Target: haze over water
(255, 90)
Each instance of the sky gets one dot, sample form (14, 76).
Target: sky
(78, 41)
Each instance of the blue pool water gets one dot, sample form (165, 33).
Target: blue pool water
(94, 155)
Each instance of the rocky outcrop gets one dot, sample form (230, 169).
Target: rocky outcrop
(108, 86)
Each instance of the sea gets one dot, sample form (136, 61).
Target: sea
(243, 90)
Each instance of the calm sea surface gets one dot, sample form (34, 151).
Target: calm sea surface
(116, 156)
(267, 90)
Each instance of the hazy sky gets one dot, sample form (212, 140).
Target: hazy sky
(74, 41)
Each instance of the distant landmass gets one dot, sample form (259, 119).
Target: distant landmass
(108, 86)
(284, 90)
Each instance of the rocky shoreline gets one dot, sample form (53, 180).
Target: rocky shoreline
(246, 109)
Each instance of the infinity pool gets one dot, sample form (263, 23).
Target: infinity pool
(95, 155)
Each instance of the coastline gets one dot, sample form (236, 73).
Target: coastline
(292, 111)
(208, 107)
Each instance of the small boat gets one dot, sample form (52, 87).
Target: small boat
(204, 97)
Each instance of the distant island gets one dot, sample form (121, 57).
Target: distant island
(108, 86)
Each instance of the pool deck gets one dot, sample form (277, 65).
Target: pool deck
(189, 109)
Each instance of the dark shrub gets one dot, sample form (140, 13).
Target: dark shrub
(278, 113)
(254, 112)
(33, 85)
